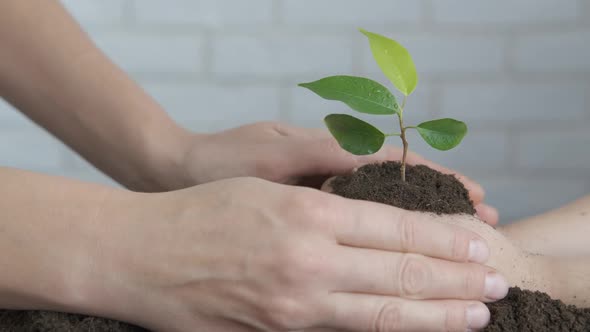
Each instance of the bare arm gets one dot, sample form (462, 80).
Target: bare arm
(52, 72)
(570, 278)
(561, 232)
(46, 236)
(561, 236)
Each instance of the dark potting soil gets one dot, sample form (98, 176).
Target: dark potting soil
(48, 321)
(526, 311)
(424, 189)
(428, 190)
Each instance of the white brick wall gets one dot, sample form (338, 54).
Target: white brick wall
(346, 13)
(140, 51)
(209, 107)
(505, 11)
(554, 52)
(204, 12)
(521, 193)
(278, 55)
(517, 71)
(553, 149)
(511, 103)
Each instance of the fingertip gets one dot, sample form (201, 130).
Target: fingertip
(479, 251)
(477, 316)
(476, 191)
(487, 213)
(326, 186)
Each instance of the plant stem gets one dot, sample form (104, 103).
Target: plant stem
(403, 137)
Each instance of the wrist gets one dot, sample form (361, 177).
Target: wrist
(122, 281)
(162, 165)
(102, 286)
(544, 275)
(51, 252)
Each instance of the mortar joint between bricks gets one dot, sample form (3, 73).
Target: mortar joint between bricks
(427, 16)
(129, 13)
(207, 58)
(285, 102)
(277, 13)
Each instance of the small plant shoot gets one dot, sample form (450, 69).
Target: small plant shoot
(367, 96)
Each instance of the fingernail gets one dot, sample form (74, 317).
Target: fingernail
(478, 316)
(496, 286)
(478, 251)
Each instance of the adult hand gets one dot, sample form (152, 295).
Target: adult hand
(520, 267)
(246, 254)
(291, 155)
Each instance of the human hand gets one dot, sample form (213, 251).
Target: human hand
(246, 254)
(521, 268)
(291, 155)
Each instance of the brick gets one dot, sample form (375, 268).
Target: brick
(331, 12)
(31, 149)
(279, 55)
(209, 107)
(518, 197)
(96, 12)
(204, 12)
(554, 149)
(308, 110)
(504, 11)
(511, 102)
(151, 52)
(553, 52)
(435, 54)
(478, 151)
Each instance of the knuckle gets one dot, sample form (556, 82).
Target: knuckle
(285, 314)
(310, 207)
(460, 245)
(455, 318)
(281, 128)
(388, 318)
(474, 282)
(298, 265)
(414, 276)
(270, 169)
(407, 231)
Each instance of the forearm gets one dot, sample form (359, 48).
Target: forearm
(569, 279)
(561, 232)
(51, 71)
(50, 233)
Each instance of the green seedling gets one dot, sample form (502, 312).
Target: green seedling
(367, 96)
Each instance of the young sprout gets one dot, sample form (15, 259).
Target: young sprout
(367, 96)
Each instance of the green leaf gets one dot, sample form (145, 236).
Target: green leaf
(395, 62)
(442, 134)
(361, 94)
(354, 135)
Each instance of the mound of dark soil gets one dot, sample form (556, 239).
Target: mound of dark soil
(47, 321)
(428, 190)
(424, 189)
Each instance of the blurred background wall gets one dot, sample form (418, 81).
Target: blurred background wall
(517, 71)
